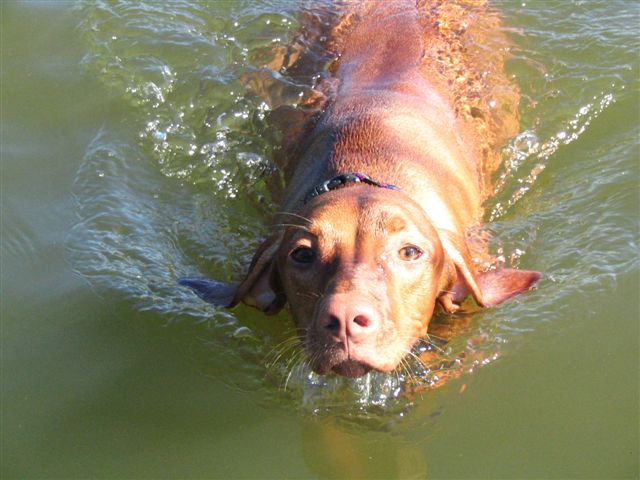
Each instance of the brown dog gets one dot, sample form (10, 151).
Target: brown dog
(386, 186)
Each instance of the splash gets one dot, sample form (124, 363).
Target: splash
(527, 147)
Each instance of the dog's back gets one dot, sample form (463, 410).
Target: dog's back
(457, 46)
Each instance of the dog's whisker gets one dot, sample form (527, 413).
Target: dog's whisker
(408, 374)
(277, 357)
(277, 352)
(294, 215)
(309, 294)
(418, 360)
(409, 371)
(401, 366)
(284, 343)
(294, 364)
(294, 358)
(437, 337)
(291, 225)
(286, 382)
(428, 340)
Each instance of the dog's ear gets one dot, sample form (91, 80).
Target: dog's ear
(487, 288)
(261, 287)
(217, 293)
(503, 283)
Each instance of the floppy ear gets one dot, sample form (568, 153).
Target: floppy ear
(503, 283)
(218, 293)
(488, 288)
(261, 288)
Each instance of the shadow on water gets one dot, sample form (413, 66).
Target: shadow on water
(175, 184)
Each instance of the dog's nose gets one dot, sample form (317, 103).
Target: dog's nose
(345, 318)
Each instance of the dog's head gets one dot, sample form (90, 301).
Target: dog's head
(362, 269)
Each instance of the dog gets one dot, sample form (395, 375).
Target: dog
(384, 193)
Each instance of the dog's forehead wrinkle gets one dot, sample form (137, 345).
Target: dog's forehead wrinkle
(360, 228)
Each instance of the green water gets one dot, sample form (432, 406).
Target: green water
(131, 155)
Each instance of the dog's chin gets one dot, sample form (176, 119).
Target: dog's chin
(355, 366)
(351, 369)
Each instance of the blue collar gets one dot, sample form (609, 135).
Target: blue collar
(340, 180)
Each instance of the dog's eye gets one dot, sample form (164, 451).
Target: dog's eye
(409, 253)
(303, 255)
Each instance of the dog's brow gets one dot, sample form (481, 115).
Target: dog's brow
(394, 224)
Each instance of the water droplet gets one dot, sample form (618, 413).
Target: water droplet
(159, 136)
(242, 332)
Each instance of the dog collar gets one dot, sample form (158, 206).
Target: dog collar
(340, 180)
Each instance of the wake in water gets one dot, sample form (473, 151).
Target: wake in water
(526, 147)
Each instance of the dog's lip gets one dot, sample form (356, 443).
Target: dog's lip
(342, 365)
(351, 368)
(356, 363)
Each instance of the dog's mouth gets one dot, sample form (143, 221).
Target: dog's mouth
(340, 363)
(351, 368)
(358, 362)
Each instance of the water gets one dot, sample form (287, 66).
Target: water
(132, 155)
